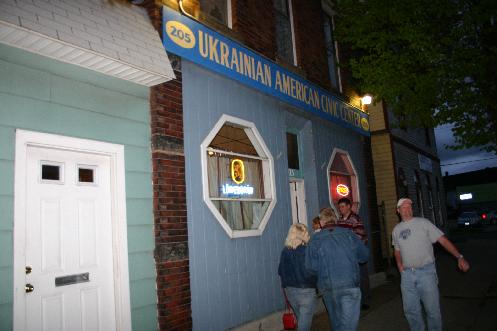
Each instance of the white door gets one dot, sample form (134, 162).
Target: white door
(297, 201)
(68, 245)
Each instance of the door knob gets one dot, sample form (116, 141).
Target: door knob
(28, 269)
(29, 288)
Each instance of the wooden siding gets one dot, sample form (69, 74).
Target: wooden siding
(407, 159)
(234, 281)
(376, 117)
(386, 192)
(43, 95)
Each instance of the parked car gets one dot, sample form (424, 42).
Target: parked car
(492, 217)
(485, 218)
(469, 218)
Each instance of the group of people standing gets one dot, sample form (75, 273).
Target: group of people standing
(332, 264)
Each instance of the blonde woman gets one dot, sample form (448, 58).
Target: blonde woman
(299, 285)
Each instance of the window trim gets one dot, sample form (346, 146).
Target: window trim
(268, 170)
(336, 151)
(296, 173)
(87, 167)
(229, 14)
(292, 28)
(62, 173)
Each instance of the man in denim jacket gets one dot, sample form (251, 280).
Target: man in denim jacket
(334, 255)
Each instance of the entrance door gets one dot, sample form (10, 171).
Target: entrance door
(66, 250)
(297, 200)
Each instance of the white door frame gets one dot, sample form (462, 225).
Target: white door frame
(115, 152)
(301, 198)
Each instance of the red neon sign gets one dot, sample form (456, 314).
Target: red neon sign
(342, 190)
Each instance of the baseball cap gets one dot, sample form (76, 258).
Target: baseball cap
(402, 200)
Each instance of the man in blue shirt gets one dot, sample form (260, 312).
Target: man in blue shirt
(334, 255)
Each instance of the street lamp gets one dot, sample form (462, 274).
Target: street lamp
(366, 99)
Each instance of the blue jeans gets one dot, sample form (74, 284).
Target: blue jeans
(303, 301)
(344, 308)
(421, 285)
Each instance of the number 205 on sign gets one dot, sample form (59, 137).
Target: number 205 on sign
(180, 34)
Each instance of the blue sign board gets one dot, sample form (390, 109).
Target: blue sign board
(197, 43)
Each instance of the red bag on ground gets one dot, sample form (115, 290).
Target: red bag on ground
(289, 318)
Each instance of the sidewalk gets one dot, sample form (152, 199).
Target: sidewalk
(385, 302)
(468, 300)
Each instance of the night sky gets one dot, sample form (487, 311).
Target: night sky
(460, 161)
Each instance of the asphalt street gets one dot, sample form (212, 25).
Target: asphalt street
(468, 300)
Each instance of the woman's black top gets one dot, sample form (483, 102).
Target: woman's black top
(292, 269)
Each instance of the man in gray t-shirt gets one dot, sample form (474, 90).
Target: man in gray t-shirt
(413, 240)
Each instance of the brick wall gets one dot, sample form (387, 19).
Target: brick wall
(310, 41)
(253, 21)
(171, 234)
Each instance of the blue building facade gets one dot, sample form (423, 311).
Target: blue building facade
(235, 280)
(265, 145)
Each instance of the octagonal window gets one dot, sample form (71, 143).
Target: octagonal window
(238, 181)
(342, 179)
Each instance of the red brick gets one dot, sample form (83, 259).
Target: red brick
(311, 52)
(254, 22)
(173, 278)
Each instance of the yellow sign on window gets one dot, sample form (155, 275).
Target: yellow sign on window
(237, 171)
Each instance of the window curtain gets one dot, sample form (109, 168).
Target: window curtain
(240, 215)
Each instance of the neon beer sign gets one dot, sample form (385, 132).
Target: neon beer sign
(237, 171)
(342, 190)
(236, 190)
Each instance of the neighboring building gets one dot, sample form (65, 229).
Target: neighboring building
(405, 165)
(76, 226)
(475, 190)
(252, 136)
